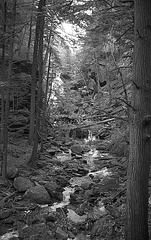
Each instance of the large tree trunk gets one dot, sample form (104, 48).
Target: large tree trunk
(140, 127)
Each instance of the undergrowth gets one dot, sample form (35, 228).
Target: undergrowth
(119, 142)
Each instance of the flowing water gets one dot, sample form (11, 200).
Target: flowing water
(100, 210)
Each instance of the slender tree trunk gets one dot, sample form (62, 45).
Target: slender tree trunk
(43, 125)
(30, 31)
(109, 84)
(2, 117)
(5, 145)
(47, 52)
(140, 127)
(98, 80)
(40, 112)
(50, 87)
(17, 100)
(39, 97)
(24, 30)
(3, 73)
(34, 77)
(2, 123)
(47, 83)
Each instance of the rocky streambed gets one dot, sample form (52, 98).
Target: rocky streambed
(72, 194)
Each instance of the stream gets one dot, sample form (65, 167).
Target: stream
(82, 184)
(77, 181)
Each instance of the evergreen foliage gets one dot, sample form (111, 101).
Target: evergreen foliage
(67, 83)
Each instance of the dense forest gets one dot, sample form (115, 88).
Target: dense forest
(75, 119)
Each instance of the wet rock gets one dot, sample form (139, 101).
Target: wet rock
(74, 217)
(54, 190)
(98, 189)
(39, 172)
(88, 193)
(62, 181)
(50, 218)
(82, 171)
(96, 179)
(10, 235)
(85, 161)
(37, 194)
(73, 198)
(86, 185)
(35, 232)
(81, 236)
(60, 234)
(37, 220)
(52, 152)
(12, 172)
(38, 178)
(76, 149)
(51, 186)
(82, 208)
(21, 184)
(59, 196)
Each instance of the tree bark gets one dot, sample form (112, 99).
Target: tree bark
(4, 10)
(37, 134)
(140, 127)
(5, 136)
(50, 86)
(34, 73)
(98, 80)
(30, 31)
(48, 49)
(47, 83)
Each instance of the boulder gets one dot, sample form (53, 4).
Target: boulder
(54, 190)
(76, 149)
(21, 184)
(86, 185)
(51, 186)
(12, 172)
(60, 234)
(83, 171)
(62, 181)
(37, 194)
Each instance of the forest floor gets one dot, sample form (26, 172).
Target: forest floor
(76, 191)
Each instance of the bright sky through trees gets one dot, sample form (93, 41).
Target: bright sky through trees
(71, 33)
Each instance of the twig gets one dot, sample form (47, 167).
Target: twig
(89, 125)
(123, 34)
(127, 103)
